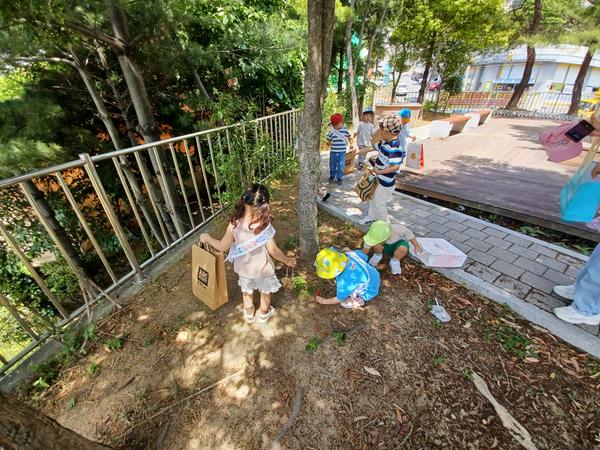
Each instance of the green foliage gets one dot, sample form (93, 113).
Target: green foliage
(513, 342)
(71, 403)
(453, 85)
(61, 280)
(532, 230)
(92, 370)
(115, 343)
(467, 373)
(291, 243)
(312, 345)
(340, 338)
(300, 285)
(439, 360)
(428, 105)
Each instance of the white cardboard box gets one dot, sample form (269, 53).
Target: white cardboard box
(439, 253)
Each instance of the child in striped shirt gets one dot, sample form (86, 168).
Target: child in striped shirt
(339, 139)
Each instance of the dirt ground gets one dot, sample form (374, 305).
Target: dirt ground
(392, 376)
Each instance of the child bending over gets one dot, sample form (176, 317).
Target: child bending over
(391, 240)
(356, 282)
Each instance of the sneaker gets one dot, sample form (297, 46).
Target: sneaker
(326, 197)
(264, 317)
(570, 314)
(376, 259)
(366, 221)
(567, 292)
(395, 266)
(339, 182)
(361, 165)
(352, 303)
(331, 179)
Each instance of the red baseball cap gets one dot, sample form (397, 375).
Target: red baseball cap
(336, 118)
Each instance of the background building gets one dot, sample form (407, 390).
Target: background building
(555, 70)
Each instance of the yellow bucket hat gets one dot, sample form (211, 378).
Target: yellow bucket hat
(379, 232)
(330, 263)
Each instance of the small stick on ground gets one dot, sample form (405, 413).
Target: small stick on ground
(515, 429)
(179, 278)
(160, 442)
(275, 445)
(406, 438)
(178, 402)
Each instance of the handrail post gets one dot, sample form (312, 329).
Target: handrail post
(112, 216)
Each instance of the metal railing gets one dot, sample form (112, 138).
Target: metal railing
(543, 103)
(107, 217)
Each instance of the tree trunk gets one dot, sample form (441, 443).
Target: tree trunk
(22, 427)
(513, 103)
(340, 85)
(351, 77)
(425, 79)
(370, 52)
(50, 217)
(123, 161)
(400, 70)
(360, 36)
(176, 225)
(578, 86)
(536, 19)
(320, 34)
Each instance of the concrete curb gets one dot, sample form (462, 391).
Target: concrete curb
(567, 332)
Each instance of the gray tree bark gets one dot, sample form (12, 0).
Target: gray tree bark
(578, 85)
(22, 427)
(534, 25)
(146, 121)
(320, 36)
(351, 75)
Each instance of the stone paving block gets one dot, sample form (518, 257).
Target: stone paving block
(497, 242)
(543, 250)
(544, 301)
(420, 212)
(522, 242)
(456, 226)
(513, 286)
(592, 329)
(530, 266)
(558, 277)
(502, 254)
(495, 232)
(572, 272)
(508, 269)
(436, 235)
(463, 247)
(455, 236)
(551, 263)
(524, 252)
(570, 261)
(481, 257)
(438, 219)
(483, 272)
(473, 224)
(437, 227)
(475, 234)
(476, 243)
(537, 282)
(419, 230)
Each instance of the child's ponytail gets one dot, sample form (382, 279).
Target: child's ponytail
(256, 196)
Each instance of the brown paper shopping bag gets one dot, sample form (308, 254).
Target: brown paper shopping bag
(209, 283)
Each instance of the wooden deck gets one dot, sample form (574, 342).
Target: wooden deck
(499, 167)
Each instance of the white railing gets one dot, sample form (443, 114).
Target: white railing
(142, 201)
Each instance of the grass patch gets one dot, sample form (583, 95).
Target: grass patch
(312, 345)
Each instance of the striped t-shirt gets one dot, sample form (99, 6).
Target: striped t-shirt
(389, 155)
(338, 143)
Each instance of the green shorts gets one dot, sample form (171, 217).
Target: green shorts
(389, 249)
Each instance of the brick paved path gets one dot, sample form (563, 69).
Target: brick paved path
(502, 264)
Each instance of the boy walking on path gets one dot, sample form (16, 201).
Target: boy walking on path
(363, 134)
(339, 139)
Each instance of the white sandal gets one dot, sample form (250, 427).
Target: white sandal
(249, 318)
(264, 317)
